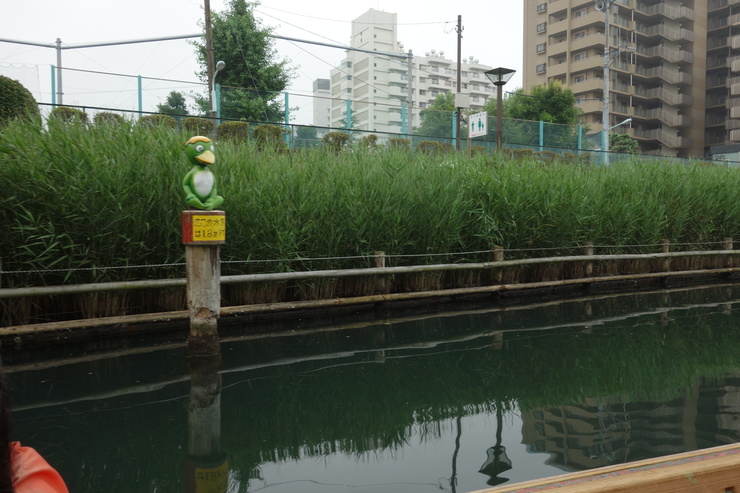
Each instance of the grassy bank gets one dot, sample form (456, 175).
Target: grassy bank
(86, 198)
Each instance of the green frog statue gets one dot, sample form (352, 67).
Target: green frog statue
(200, 183)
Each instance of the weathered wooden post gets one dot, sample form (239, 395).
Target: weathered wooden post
(498, 256)
(665, 247)
(588, 250)
(727, 244)
(203, 231)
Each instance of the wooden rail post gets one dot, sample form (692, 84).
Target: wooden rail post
(498, 256)
(202, 233)
(381, 281)
(379, 259)
(727, 244)
(588, 249)
(665, 247)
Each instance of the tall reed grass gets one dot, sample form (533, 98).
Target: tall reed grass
(80, 197)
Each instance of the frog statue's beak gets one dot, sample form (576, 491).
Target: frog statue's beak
(206, 157)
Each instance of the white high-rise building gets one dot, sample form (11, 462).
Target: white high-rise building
(321, 103)
(375, 87)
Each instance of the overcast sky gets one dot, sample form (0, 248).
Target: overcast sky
(492, 33)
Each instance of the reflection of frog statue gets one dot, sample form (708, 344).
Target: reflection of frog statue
(200, 184)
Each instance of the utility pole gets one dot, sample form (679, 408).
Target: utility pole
(605, 120)
(459, 79)
(210, 64)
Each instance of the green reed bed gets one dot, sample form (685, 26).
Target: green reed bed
(90, 197)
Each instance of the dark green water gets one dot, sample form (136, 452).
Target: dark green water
(454, 399)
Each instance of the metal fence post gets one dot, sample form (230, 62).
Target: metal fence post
(141, 103)
(287, 120)
(349, 115)
(53, 86)
(542, 135)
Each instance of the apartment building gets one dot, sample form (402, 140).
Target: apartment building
(597, 433)
(669, 66)
(322, 105)
(375, 88)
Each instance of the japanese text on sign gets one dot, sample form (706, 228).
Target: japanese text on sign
(209, 228)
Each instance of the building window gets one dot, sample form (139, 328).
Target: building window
(434, 81)
(542, 7)
(349, 90)
(422, 92)
(580, 35)
(579, 57)
(349, 77)
(580, 13)
(423, 80)
(540, 68)
(541, 28)
(579, 78)
(464, 73)
(541, 47)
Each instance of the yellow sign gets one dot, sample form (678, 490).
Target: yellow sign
(202, 478)
(209, 228)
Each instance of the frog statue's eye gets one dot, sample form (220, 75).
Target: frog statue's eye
(212, 148)
(199, 148)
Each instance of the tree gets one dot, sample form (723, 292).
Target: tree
(436, 119)
(175, 105)
(253, 76)
(623, 143)
(551, 103)
(352, 121)
(15, 100)
(306, 136)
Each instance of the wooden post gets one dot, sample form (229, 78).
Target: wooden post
(588, 249)
(498, 256)
(379, 259)
(381, 281)
(202, 233)
(727, 244)
(665, 247)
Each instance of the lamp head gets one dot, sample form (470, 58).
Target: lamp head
(500, 76)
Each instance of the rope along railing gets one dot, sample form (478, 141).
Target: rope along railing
(498, 262)
(347, 257)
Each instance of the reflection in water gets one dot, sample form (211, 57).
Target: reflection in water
(412, 405)
(206, 467)
(497, 461)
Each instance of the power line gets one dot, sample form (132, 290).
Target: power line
(349, 22)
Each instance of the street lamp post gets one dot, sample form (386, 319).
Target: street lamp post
(499, 77)
(219, 66)
(606, 133)
(604, 5)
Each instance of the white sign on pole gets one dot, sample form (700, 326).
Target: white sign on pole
(478, 124)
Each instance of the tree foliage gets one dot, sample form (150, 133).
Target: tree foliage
(436, 119)
(15, 100)
(174, 105)
(623, 143)
(254, 76)
(551, 103)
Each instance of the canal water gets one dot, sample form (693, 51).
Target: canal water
(455, 398)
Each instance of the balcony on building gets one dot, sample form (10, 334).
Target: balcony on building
(663, 9)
